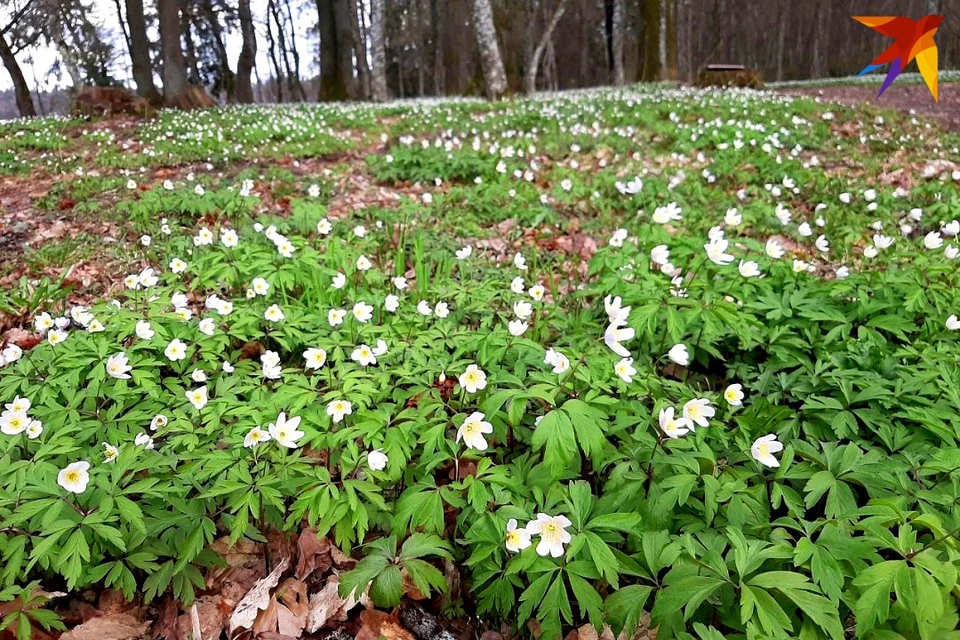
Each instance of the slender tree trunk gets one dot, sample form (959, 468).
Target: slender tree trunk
(608, 32)
(420, 46)
(651, 41)
(670, 39)
(439, 68)
(493, 74)
(20, 88)
(248, 54)
(531, 19)
(174, 66)
(333, 85)
(345, 49)
(359, 47)
(274, 59)
(190, 50)
(55, 33)
(617, 43)
(123, 23)
(378, 52)
(284, 56)
(781, 32)
(295, 53)
(140, 52)
(530, 79)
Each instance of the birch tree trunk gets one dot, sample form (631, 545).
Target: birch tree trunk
(493, 74)
(617, 37)
(248, 54)
(530, 79)
(140, 52)
(378, 52)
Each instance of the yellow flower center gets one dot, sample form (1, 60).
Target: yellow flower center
(513, 537)
(73, 476)
(764, 449)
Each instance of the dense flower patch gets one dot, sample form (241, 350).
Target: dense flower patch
(739, 413)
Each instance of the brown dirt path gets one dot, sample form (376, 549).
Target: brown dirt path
(902, 97)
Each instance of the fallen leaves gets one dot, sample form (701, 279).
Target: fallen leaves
(119, 626)
(258, 599)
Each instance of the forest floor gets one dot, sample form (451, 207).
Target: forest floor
(456, 197)
(908, 98)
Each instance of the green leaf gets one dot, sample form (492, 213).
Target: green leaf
(555, 436)
(387, 587)
(624, 607)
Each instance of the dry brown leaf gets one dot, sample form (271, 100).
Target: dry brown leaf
(165, 626)
(313, 554)
(377, 624)
(294, 607)
(267, 619)
(239, 554)
(327, 605)
(120, 626)
(258, 599)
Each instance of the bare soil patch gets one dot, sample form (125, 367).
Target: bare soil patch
(902, 97)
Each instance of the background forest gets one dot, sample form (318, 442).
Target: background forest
(308, 50)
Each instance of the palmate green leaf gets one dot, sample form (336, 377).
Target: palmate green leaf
(587, 426)
(419, 545)
(623, 522)
(357, 579)
(426, 577)
(757, 603)
(603, 558)
(686, 593)
(555, 436)
(798, 588)
(625, 606)
(387, 588)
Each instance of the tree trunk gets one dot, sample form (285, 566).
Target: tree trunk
(439, 68)
(378, 52)
(344, 45)
(282, 47)
(670, 38)
(123, 24)
(20, 88)
(174, 67)
(295, 53)
(780, 38)
(248, 54)
(226, 85)
(420, 46)
(651, 41)
(333, 85)
(617, 43)
(530, 79)
(274, 58)
(359, 47)
(493, 74)
(140, 52)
